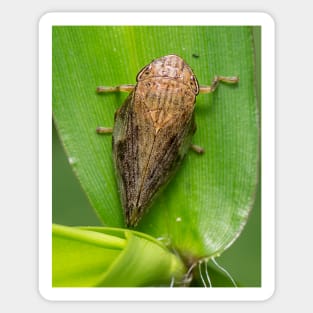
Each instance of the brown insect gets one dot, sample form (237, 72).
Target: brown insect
(153, 130)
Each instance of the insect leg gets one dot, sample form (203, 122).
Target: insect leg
(126, 88)
(104, 130)
(197, 149)
(104, 89)
(215, 82)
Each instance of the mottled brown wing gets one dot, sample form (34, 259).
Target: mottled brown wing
(169, 148)
(125, 146)
(151, 136)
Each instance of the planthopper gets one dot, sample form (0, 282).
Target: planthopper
(153, 130)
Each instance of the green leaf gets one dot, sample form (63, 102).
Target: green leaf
(205, 207)
(107, 257)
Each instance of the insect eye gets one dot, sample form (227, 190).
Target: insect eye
(145, 72)
(194, 84)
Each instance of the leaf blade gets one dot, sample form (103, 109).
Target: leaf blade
(220, 185)
(98, 256)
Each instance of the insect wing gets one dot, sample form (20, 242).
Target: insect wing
(145, 159)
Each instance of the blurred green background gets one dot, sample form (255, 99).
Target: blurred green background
(71, 207)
